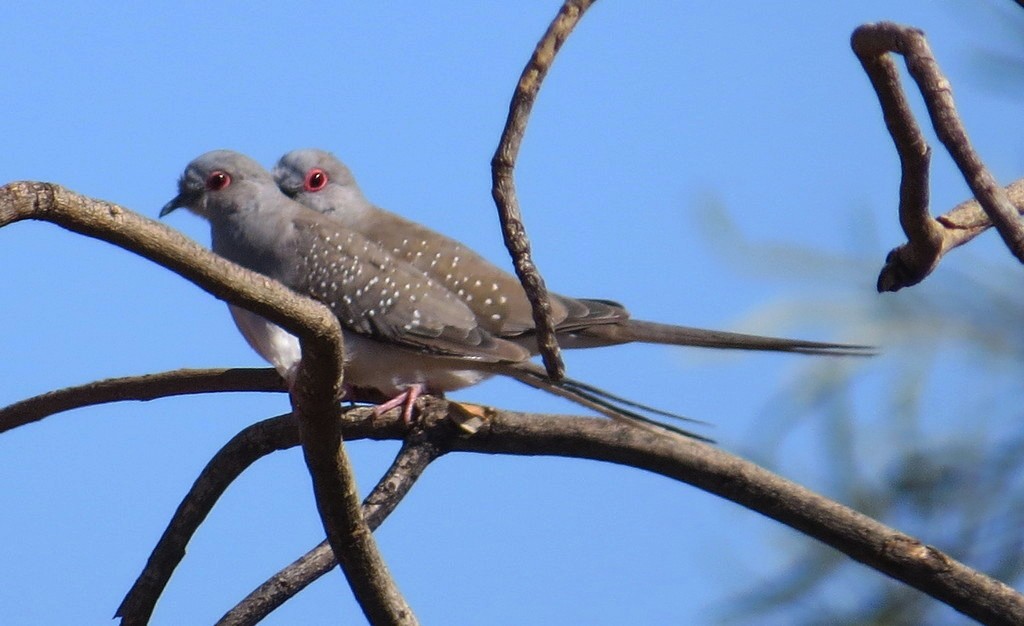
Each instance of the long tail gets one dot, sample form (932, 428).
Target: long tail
(605, 403)
(628, 331)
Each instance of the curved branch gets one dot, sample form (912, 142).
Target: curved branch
(503, 186)
(248, 446)
(318, 380)
(893, 553)
(928, 239)
(142, 388)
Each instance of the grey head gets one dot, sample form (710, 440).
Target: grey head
(250, 219)
(318, 180)
(218, 179)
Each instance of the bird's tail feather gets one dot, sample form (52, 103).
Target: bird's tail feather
(604, 402)
(629, 331)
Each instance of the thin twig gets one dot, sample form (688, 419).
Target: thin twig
(928, 239)
(967, 220)
(142, 388)
(318, 381)
(418, 451)
(503, 185)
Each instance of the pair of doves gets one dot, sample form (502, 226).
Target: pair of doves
(421, 312)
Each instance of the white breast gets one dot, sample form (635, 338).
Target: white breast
(369, 364)
(270, 341)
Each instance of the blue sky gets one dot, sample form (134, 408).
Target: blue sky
(647, 116)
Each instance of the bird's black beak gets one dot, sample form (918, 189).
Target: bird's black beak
(184, 199)
(172, 205)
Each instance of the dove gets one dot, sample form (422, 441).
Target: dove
(320, 181)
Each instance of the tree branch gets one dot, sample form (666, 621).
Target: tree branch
(143, 388)
(928, 239)
(503, 185)
(893, 553)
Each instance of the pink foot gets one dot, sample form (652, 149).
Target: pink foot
(406, 399)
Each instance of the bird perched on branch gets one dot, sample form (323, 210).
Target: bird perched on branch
(320, 181)
(420, 312)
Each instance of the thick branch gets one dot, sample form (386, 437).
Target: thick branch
(503, 185)
(928, 239)
(337, 499)
(716, 471)
(318, 380)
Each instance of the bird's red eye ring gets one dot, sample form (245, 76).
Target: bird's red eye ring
(218, 180)
(316, 180)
